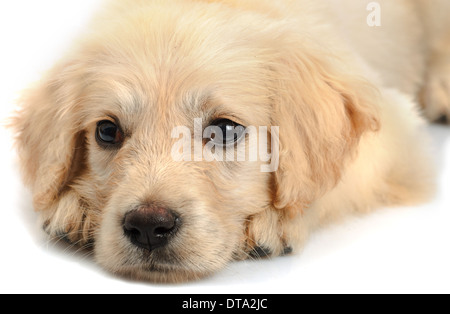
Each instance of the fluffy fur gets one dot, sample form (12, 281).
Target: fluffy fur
(345, 96)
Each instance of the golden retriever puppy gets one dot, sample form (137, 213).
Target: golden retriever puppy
(131, 143)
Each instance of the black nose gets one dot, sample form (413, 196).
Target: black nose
(150, 227)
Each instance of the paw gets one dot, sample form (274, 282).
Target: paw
(68, 232)
(270, 234)
(436, 97)
(69, 221)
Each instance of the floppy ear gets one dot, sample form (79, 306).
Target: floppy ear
(322, 111)
(48, 134)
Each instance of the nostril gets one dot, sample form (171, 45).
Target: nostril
(150, 227)
(161, 231)
(131, 231)
(167, 228)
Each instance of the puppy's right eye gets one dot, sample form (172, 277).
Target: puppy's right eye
(108, 134)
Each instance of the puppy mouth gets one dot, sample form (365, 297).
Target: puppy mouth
(161, 275)
(162, 259)
(154, 267)
(159, 270)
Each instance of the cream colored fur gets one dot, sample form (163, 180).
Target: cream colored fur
(347, 98)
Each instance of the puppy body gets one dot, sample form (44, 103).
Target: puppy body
(342, 93)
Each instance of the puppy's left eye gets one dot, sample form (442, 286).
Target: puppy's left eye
(108, 134)
(226, 132)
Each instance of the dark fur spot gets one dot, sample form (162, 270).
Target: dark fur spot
(63, 236)
(443, 120)
(45, 225)
(260, 252)
(287, 250)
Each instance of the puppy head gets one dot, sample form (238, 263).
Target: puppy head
(95, 141)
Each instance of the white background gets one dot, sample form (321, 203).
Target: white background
(391, 250)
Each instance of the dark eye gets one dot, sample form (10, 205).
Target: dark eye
(226, 132)
(108, 134)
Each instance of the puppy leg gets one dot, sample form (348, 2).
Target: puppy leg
(69, 219)
(436, 92)
(273, 233)
(435, 95)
